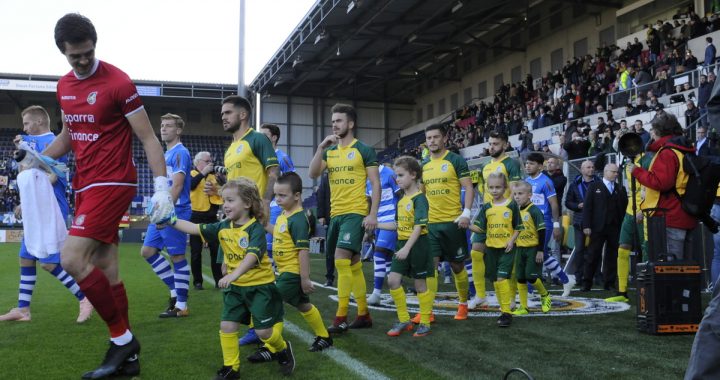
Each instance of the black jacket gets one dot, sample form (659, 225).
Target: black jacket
(323, 198)
(576, 195)
(602, 210)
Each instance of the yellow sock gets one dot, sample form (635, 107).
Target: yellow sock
(344, 286)
(432, 285)
(462, 285)
(426, 304)
(398, 296)
(359, 288)
(538, 284)
(478, 272)
(523, 290)
(503, 289)
(623, 268)
(275, 343)
(512, 287)
(313, 318)
(230, 349)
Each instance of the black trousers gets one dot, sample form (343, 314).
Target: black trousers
(196, 248)
(580, 252)
(609, 237)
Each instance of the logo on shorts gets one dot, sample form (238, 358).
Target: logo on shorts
(80, 220)
(408, 207)
(92, 97)
(351, 155)
(444, 168)
(346, 237)
(506, 214)
(243, 242)
(283, 227)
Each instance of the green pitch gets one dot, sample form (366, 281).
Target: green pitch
(53, 346)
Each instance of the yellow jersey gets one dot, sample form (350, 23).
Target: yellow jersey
(412, 210)
(250, 156)
(291, 234)
(347, 174)
(441, 178)
(199, 201)
(236, 243)
(643, 161)
(533, 224)
(498, 222)
(504, 165)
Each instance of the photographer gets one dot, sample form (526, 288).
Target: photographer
(577, 147)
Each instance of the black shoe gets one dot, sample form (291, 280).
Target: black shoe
(227, 373)
(339, 326)
(130, 368)
(115, 357)
(174, 313)
(198, 287)
(262, 355)
(320, 344)
(171, 303)
(504, 320)
(329, 283)
(286, 359)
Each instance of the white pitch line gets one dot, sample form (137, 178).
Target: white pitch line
(337, 355)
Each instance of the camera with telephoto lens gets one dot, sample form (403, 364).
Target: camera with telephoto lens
(220, 170)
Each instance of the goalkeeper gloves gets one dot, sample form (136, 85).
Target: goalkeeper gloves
(161, 208)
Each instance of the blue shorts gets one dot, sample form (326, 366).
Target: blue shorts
(174, 241)
(275, 211)
(24, 254)
(386, 239)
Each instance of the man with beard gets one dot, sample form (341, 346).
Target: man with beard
(350, 163)
(444, 174)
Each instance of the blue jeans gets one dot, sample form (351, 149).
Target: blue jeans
(715, 266)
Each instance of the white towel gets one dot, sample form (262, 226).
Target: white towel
(43, 224)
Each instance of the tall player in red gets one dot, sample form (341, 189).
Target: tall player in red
(101, 110)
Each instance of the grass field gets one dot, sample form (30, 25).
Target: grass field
(53, 346)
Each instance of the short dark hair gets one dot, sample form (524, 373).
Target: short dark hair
(536, 157)
(292, 179)
(74, 28)
(274, 129)
(438, 127)
(709, 39)
(347, 110)
(499, 135)
(238, 101)
(410, 164)
(665, 124)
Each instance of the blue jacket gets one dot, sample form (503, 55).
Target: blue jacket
(575, 196)
(709, 55)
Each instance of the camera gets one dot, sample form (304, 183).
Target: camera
(220, 170)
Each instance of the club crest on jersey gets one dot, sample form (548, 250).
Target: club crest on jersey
(80, 220)
(283, 227)
(351, 155)
(444, 168)
(498, 169)
(92, 97)
(408, 207)
(243, 242)
(506, 214)
(239, 149)
(526, 218)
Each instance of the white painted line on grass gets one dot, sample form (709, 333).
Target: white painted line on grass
(337, 355)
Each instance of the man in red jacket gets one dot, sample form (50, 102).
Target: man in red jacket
(666, 175)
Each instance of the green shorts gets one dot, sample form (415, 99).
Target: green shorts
(478, 238)
(346, 232)
(448, 242)
(498, 263)
(262, 302)
(419, 263)
(626, 237)
(526, 268)
(288, 284)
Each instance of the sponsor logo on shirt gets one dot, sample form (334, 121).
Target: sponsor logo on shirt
(133, 97)
(92, 97)
(79, 136)
(67, 97)
(79, 118)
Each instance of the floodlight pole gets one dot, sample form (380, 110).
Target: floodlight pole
(241, 52)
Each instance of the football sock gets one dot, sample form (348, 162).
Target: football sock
(553, 267)
(398, 296)
(512, 288)
(461, 284)
(344, 285)
(540, 287)
(623, 269)
(28, 277)
(426, 305)
(68, 281)
(314, 320)
(523, 290)
(502, 288)
(380, 264)
(230, 350)
(97, 289)
(478, 269)
(182, 283)
(161, 266)
(121, 301)
(123, 339)
(471, 282)
(275, 343)
(359, 288)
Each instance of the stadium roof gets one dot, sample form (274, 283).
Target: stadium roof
(380, 50)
